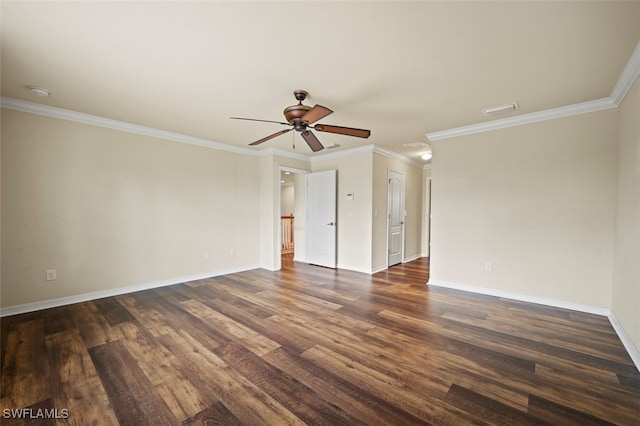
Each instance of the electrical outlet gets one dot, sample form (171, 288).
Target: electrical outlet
(488, 266)
(51, 274)
(205, 255)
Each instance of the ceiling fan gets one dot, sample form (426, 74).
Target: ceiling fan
(301, 117)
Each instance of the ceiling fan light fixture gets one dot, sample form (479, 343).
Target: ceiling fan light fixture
(500, 109)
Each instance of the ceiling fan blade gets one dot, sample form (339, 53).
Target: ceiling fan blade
(316, 113)
(312, 141)
(349, 131)
(281, 132)
(255, 119)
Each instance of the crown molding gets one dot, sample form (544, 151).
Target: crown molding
(366, 149)
(94, 120)
(390, 154)
(519, 120)
(281, 153)
(627, 78)
(341, 154)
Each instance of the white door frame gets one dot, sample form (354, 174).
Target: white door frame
(278, 227)
(426, 219)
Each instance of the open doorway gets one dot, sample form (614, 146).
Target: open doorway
(292, 216)
(287, 216)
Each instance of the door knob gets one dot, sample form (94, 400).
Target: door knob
(330, 223)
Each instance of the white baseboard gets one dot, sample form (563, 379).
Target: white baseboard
(52, 303)
(631, 348)
(633, 351)
(411, 258)
(522, 297)
(380, 268)
(352, 268)
(377, 269)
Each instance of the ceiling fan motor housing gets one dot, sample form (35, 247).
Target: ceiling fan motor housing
(294, 115)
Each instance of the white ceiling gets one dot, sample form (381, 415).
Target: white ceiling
(400, 69)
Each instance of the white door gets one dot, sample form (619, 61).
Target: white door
(395, 216)
(321, 218)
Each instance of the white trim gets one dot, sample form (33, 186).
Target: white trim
(269, 268)
(343, 153)
(412, 258)
(294, 170)
(349, 268)
(631, 348)
(519, 120)
(627, 342)
(628, 76)
(52, 303)
(521, 297)
(625, 81)
(94, 120)
(379, 269)
(369, 148)
(385, 152)
(282, 153)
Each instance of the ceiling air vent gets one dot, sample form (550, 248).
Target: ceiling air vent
(416, 145)
(500, 109)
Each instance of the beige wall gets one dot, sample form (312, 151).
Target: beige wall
(109, 209)
(354, 216)
(626, 273)
(537, 201)
(413, 207)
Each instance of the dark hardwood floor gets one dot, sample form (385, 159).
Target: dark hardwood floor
(310, 345)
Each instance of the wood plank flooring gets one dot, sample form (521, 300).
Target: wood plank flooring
(310, 345)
